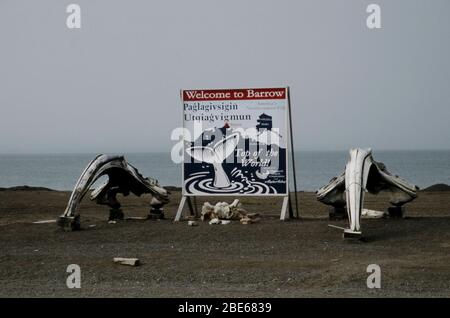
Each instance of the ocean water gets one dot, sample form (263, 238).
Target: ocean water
(314, 168)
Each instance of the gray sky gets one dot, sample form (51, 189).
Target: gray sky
(113, 85)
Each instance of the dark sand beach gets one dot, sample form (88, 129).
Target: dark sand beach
(296, 258)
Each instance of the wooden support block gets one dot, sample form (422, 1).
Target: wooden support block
(349, 234)
(396, 212)
(155, 216)
(337, 213)
(116, 214)
(69, 223)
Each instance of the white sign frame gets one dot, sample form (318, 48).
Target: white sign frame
(288, 130)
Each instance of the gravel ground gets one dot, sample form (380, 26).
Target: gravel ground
(296, 258)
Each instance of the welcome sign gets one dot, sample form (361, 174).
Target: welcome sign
(235, 141)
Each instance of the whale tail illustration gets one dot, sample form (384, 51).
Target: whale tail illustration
(216, 155)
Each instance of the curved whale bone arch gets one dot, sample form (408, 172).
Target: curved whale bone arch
(364, 174)
(216, 155)
(122, 178)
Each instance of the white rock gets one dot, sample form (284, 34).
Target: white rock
(207, 210)
(246, 220)
(222, 210)
(234, 204)
(214, 221)
(126, 261)
(44, 222)
(372, 214)
(225, 222)
(192, 223)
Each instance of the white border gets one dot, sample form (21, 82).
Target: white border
(183, 190)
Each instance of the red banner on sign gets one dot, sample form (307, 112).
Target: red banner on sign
(234, 94)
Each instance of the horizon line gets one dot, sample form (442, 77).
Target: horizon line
(168, 152)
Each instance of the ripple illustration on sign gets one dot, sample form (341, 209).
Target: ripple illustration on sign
(202, 182)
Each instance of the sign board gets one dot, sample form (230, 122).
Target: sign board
(235, 142)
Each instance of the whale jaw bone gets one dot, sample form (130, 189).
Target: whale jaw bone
(356, 174)
(215, 156)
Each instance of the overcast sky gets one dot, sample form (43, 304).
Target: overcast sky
(113, 85)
